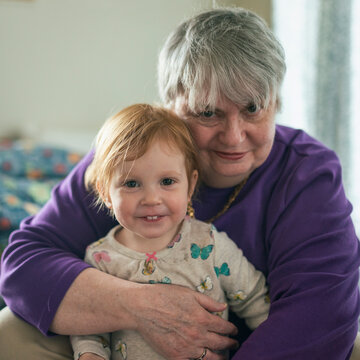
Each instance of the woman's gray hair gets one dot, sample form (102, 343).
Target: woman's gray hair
(229, 52)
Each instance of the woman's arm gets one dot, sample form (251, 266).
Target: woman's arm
(313, 263)
(45, 255)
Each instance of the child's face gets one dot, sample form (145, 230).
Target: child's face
(149, 195)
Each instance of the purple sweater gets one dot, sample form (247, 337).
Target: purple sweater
(291, 219)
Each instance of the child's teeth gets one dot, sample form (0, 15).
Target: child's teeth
(152, 217)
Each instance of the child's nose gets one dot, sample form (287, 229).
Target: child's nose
(151, 197)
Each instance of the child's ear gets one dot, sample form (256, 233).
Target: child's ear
(105, 198)
(108, 203)
(192, 183)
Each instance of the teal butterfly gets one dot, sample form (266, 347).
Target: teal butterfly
(165, 280)
(222, 270)
(204, 252)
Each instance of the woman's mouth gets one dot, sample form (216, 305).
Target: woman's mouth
(230, 155)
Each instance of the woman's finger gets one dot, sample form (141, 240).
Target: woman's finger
(210, 304)
(218, 342)
(216, 323)
(210, 355)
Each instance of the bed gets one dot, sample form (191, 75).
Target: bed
(28, 171)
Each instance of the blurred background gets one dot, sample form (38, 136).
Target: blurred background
(67, 65)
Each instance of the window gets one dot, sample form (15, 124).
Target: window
(321, 90)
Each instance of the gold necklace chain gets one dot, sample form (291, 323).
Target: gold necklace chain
(231, 199)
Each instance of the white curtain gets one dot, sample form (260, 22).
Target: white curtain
(321, 91)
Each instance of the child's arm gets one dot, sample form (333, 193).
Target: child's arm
(245, 287)
(90, 356)
(91, 347)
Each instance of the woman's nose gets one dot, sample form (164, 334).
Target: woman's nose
(233, 132)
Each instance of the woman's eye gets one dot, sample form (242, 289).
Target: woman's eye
(131, 184)
(167, 182)
(252, 108)
(207, 113)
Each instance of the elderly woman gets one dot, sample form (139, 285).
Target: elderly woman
(276, 191)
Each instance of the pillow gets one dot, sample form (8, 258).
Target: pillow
(27, 159)
(28, 172)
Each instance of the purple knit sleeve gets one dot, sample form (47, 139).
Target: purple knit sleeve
(313, 261)
(45, 255)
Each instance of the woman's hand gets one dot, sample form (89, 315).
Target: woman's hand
(90, 356)
(177, 322)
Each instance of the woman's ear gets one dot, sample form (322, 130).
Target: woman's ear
(192, 183)
(104, 197)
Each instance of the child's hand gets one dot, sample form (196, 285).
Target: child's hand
(90, 356)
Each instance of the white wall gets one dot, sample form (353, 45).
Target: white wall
(66, 65)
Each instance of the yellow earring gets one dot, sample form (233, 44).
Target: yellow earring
(190, 210)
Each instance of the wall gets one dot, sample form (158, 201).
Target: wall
(66, 65)
(261, 7)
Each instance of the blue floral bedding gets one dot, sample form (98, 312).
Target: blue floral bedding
(28, 172)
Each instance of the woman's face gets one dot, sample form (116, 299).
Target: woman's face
(233, 141)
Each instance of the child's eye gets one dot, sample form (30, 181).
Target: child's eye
(167, 181)
(131, 184)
